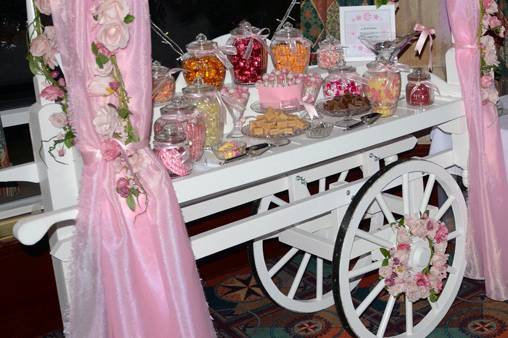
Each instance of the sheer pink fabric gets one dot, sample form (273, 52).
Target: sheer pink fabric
(487, 255)
(131, 278)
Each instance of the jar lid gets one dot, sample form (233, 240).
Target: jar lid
(178, 105)
(343, 69)
(244, 28)
(198, 86)
(288, 32)
(418, 74)
(202, 43)
(330, 42)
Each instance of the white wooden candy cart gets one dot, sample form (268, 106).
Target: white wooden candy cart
(336, 232)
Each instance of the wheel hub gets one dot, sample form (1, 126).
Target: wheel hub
(420, 254)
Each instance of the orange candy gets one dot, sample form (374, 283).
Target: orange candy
(292, 59)
(208, 67)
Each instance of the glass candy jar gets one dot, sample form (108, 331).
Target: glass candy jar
(342, 80)
(290, 50)
(419, 89)
(251, 58)
(382, 87)
(204, 59)
(207, 101)
(330, 53)
(181, 111)
(163, 83)
(171, 146)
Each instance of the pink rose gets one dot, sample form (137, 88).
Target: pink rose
(385, 271)
(58, 120)
(110, 149)
(403, 236)
(487, 81)
(105, 71)
(40, 46)
(43, 6)
(112, 11)
(436, 283)
(438, 270)
(440, 247)
(55, 74)
(439, 259)
(61, 82)
(103, 50)
(402, 255)
(113, 35)
(122, 187)
(419, 228)
(491, 8)
(52, 93)
(494, 22)
(441, 234)
(106, 121)
(99, 86)
(44, 45)
(421, 279)
(138, 161)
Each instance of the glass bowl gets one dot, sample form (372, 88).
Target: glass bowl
(229, 149)
(319, 129)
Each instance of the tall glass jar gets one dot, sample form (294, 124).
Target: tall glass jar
(251, 58)
(163, 84)
(342, 80)
(382, 87)
(207, 101)
(171, 146)
(330, 53)
(181, 111)
(290, 50)
(419, 90)
(204, 59)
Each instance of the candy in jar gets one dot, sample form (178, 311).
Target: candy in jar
(251, 58)
(342, 80)
(290, 50)
(206, 100)
(330, 53)
(206, 60)
(311, 85)
(181, 111)
(419, 89)
(382, 88)
(163, 84)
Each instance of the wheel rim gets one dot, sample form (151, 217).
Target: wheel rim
(354, 310)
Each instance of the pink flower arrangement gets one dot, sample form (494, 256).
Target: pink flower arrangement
(44, 45)
(52, 93)
(110, 149)
(396, 271)
(106, 121)
(58, 120)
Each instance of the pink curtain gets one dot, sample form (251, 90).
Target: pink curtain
(132, 277)
(487, 255)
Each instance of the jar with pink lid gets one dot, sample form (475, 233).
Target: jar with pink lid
(342, 80)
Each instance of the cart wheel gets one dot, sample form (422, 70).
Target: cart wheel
(284, 279)
(403, 188)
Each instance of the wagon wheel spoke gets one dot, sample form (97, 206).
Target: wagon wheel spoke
(384, 208)
(386, 317)
(428, 191)
(299, 275)
(370, 298)
(446, 205)
(374, 239)
(319, 278)
(364, 269)
(409, 316)
(283, 261)
(405, 193)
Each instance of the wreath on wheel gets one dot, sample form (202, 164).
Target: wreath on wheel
(403, 272)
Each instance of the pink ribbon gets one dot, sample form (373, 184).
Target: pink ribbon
(260, 36)
(392, 67)
(220, 53)
(425, 33)
(427, 84)
(464, 46)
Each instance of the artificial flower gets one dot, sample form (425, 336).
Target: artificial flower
(106, 70)
(44, 6)
(58, 120)
(113, 35)
(52, 93)
(123, 187)
(103, 50)
(106, 121)
(100, 86)
(110, 149)
(112, 11)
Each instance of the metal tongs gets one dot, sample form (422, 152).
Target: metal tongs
(366, 119)
(258, 149)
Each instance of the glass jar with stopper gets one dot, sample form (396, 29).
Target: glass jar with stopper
(207, 101)
(330, 53)
(419, 89)
(290, 50)
(251, 58)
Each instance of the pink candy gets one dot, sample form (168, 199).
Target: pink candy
(341, 87)
(176, 160)
(329, 58)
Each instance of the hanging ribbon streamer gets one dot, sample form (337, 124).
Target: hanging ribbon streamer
(259, 36)
(167, 40)
(425, 33)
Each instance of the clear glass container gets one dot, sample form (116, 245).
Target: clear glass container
(419, 90)
(207, 101)
(251, 58)
(290, 50)
(382, 88)
(181, 111)
(204, 59)
(163, 83)
(175, 157)
(330, 53)
(342, 80)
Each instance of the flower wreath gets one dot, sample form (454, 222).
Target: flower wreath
(418, 264)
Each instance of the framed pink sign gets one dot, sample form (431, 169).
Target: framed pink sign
(356, 21)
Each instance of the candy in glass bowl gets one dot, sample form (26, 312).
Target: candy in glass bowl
(290, 50)
(235, 99)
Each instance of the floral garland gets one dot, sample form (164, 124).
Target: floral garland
(41, 59)
(491, 26)
(112, 120)
(401, 274)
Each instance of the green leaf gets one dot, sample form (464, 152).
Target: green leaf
(385, 262)
(123, 112)
(385, 252)
(379, 3)
(433, 296)
(401, 221)
(101, 60)
(69, 139)
(95, 50)
(135, 192)
(128, 19)
(130, 202)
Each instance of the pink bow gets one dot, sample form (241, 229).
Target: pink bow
(260, 36)
(425, 83)
(425, 33)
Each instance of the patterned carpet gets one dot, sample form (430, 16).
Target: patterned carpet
(240, 309)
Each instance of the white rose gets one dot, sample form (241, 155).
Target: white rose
(100, 86)
(40, 46)
(43, 6)
(106, 121)
(112, 11)
(58, 120)
(113, 35)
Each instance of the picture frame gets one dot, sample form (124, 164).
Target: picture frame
(364, 20)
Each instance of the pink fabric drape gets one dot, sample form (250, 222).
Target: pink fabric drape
(487, 255)
(131, 277)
